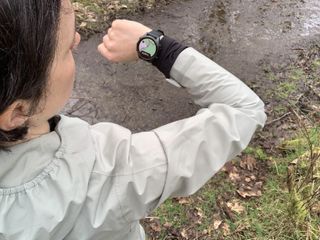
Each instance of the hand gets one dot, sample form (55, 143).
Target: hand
(120, 44)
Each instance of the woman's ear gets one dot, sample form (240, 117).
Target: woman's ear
(14, 116)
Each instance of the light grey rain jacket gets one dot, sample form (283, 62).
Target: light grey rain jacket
(84, 182)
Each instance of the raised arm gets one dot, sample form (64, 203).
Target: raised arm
(197, 147)
(178, 158)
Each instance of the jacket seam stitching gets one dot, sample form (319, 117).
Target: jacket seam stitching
(167, 173)
(127, 174)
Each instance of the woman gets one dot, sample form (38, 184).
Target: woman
(61, 178)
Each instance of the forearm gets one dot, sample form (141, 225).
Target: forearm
(206, 81)
(197, 147)
(209, 84)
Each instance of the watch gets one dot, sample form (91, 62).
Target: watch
(149, 45)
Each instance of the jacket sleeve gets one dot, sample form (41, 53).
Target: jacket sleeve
(197, 147)
(177, 159)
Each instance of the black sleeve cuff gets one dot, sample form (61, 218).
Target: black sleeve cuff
(169, 52)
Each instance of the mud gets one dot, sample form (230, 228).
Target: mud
(244, 36)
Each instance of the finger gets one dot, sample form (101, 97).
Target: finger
(106, 39)
(116, 23)
(107, 42)
(104, 51)
(110, 33)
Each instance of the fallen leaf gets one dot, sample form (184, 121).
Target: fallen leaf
(295, 162)
(184, 233)
(155, 226)
(183, 200)
(226, 229)
(235, 206)
(248, 162)
(258, 185)
(200, 212)
(234, 176)
(83, 24)
(228, 167)
(226, 210)
(216, 224)
(247, 179)
(253, 178)
(249, 193)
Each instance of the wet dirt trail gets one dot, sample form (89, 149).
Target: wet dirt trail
(244, 36)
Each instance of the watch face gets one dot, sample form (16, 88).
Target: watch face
(147, 48)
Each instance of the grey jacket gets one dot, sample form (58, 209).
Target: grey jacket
(84, 181)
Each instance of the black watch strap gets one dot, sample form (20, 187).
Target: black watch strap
(156, 33)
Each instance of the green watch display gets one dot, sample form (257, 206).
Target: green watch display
(148, 45)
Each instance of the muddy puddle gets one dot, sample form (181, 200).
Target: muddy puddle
(244, 36)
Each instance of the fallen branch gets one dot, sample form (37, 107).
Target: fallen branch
(278, 119)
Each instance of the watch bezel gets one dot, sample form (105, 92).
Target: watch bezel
(141, 53)
(155, 36)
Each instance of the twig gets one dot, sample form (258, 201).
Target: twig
(278, 119)
(314, 90)
(151, 218)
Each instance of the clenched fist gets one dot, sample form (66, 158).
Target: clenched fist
(120, 43)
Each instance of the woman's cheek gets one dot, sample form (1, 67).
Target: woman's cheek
(71, 68)
(67, 77)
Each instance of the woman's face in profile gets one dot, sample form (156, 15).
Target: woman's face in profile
(62, 73)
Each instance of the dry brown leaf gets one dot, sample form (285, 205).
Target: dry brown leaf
(248, 179)
(184, 233)
(183, 200)
(235, 206)
(155, 226)
(234, 176)
(200, 212)
(226, 229)
(83, 24)
(258, 185)
(216, 224)
(228, 167)
(248, 162)
(253, 178)
(249, 193)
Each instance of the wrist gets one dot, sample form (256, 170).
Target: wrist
(170, 50)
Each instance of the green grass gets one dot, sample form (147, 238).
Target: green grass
(257, 152)
(266, 217)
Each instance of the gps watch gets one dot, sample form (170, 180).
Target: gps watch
(149, 45)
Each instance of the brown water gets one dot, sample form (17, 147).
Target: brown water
(244, 36)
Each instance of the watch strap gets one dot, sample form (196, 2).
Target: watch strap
(156, 34)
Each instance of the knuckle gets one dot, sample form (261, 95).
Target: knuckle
(109, 46)
(115, 23)
(111, 35)
(105, 39)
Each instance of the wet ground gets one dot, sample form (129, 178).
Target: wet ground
(244, 36)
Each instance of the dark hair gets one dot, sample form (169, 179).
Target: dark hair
(28, 39)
